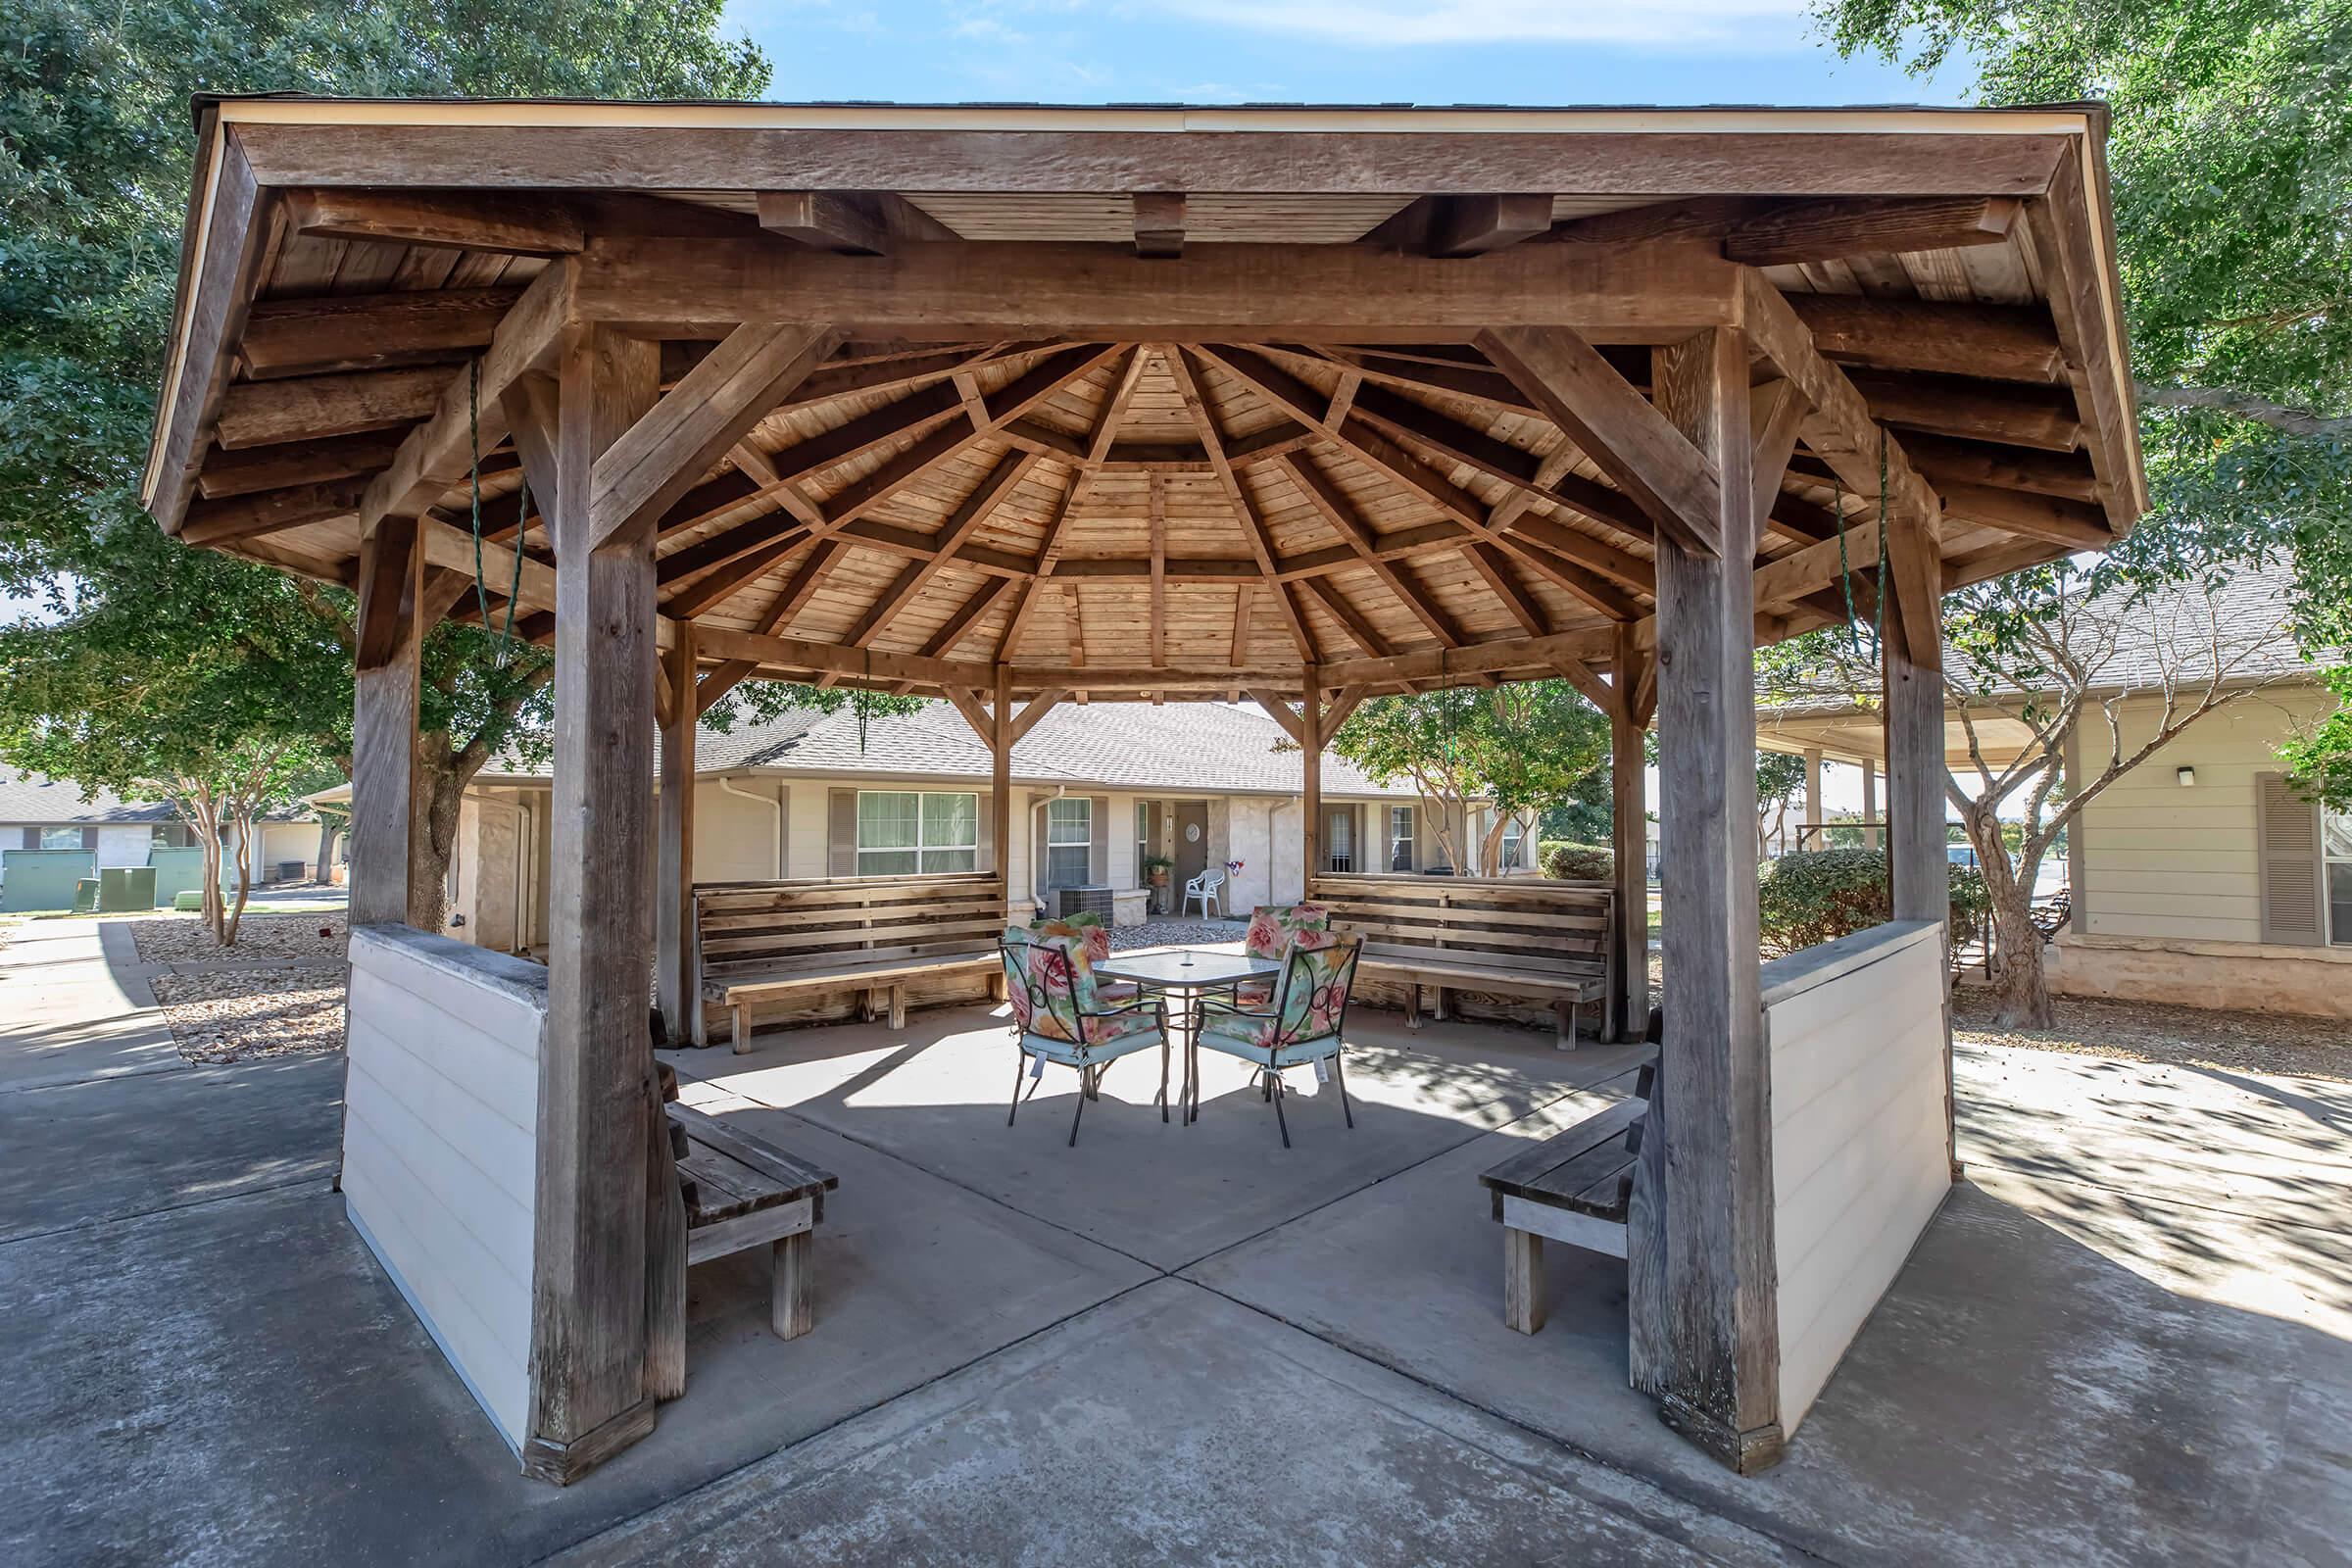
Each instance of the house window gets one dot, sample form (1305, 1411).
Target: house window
(2336, 852)
(900, 833)
(1514, 840)
(1069, 842)
(1142, 841)
(1341, 831)
(1400, 838)
(61, 838)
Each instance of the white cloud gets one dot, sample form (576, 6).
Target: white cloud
(1394, 24)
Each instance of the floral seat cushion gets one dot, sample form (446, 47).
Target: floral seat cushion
(1091, 930)
(1056, 1004)
(1272, 926)
(1315, 981)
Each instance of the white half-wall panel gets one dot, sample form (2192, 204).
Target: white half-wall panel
(1855, 1031)
(439, 1133)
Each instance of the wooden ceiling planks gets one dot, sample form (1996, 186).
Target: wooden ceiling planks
(1355, 495)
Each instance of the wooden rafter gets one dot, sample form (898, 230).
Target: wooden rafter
(1339, 512)
(1244, 510)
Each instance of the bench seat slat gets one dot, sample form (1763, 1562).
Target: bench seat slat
(768, 984)
(794, 1177)
(1524, 1173)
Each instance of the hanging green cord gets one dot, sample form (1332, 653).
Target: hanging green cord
(481, 592)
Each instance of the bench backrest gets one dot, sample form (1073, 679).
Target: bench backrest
(1527, 923)
(749, 930)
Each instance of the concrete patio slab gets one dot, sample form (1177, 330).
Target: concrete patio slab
(107, 1149)
(1172, 1427)
(72, 1014)
(936, 1096)
(238, 1382)
(2082, 1409)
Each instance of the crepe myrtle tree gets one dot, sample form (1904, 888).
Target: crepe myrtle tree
(1522, 745)
(2055, 652)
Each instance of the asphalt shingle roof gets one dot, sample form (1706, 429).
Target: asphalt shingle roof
(1223, 747)
(33, 799)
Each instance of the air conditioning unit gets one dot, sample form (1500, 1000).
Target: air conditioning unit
(1082, 901)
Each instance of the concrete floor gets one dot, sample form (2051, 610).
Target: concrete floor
(2127, 1339)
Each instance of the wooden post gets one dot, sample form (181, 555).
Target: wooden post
(1000, 780)
(1918, 870)
(1813, 839)
(673, 880)
(588, 1325)
(383, 738)
(1700, 1272)
(1629, 799)
(1311, 750)
(1870, 801)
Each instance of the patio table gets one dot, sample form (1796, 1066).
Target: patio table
(1188, 973)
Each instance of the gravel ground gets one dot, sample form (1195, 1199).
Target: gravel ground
(186, 939)
(2184, 1037)
(1175, 934)
(234, 1015)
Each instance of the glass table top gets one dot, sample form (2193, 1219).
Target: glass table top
(1185, 966)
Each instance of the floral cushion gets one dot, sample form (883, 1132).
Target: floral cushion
(1092, 933)
(1118, 1026)
(1272, 926)
(1253, 993)
(1051, 983)
(1316, 982)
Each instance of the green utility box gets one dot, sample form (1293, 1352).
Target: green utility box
(85, 896)
(43, 879)
(181, 871)
(122, 889)
(190, 901)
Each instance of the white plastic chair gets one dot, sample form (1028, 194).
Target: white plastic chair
(1209, 887)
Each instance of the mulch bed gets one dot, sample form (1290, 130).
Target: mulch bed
(2183, 1037)
(239, 1014)
(186, 939)
(1173, 933)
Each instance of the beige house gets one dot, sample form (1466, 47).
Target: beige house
(2199, 878)
(1100, 789)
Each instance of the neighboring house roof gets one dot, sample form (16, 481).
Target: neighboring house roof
(33, 799)
(1213, 748)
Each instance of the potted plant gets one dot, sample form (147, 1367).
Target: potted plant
(1158, 869)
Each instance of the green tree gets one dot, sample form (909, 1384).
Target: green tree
(94, 168)
(1523, 745)
(2231, 157)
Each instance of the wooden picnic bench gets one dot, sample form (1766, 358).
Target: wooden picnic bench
(1575, 1187)
(1509, 936)
(758, 944)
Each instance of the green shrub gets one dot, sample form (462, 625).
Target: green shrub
(1821, 895)
(1578, 862)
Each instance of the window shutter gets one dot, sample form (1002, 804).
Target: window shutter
(2287, 830)
(1098, 860)
(89, 835)
(986, 860)
(841, 834)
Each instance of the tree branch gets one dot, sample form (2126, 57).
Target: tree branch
(2246, 405)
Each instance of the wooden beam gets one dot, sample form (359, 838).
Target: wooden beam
(449, 219)
(2015, 416)
(2072, 524)
(1281, 712)
(970, 513)
(1000, 776)
(588, 1319)
(277, 467)
(1703, 1303)
(674, 989)
(1776, 413)
(2049, 473)
(1339, 512)
(1346, 703)
(1037, 707)
(1158, 222)
(389, 634)
(470, 416)
(1244, 510)
(1629, 930)
(966, 702)
(1797, 232)
(1494, 567)
(682, 437)
(1915, 572)
(1468, 226)
(1311, 736)
(2085, 294)
(866, 222)
(1629, 440)
(215, 522)
(1246, 293)
(2001, 342)
(1917, 865)
(1350, 619)
(263, 413)
(340, 333)
(943, 641)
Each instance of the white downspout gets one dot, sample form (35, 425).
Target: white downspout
(775, 808)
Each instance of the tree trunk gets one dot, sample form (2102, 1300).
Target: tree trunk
(234, 918)
(440, 795)
(326, 849)
(2020, 990)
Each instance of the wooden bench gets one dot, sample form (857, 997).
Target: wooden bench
(756, 943)
(1576, 1187)
(1509, 936)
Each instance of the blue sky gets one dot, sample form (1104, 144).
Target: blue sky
(1324, 51)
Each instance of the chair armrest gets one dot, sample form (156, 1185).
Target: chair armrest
(1209, 1004)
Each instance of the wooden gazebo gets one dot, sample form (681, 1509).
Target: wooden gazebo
(1014, 405)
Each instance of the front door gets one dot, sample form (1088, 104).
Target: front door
(1339, 839)
(1192, 842)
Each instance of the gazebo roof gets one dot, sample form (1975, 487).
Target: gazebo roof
(1197, 397)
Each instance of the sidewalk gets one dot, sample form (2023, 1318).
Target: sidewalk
(71, 1016)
